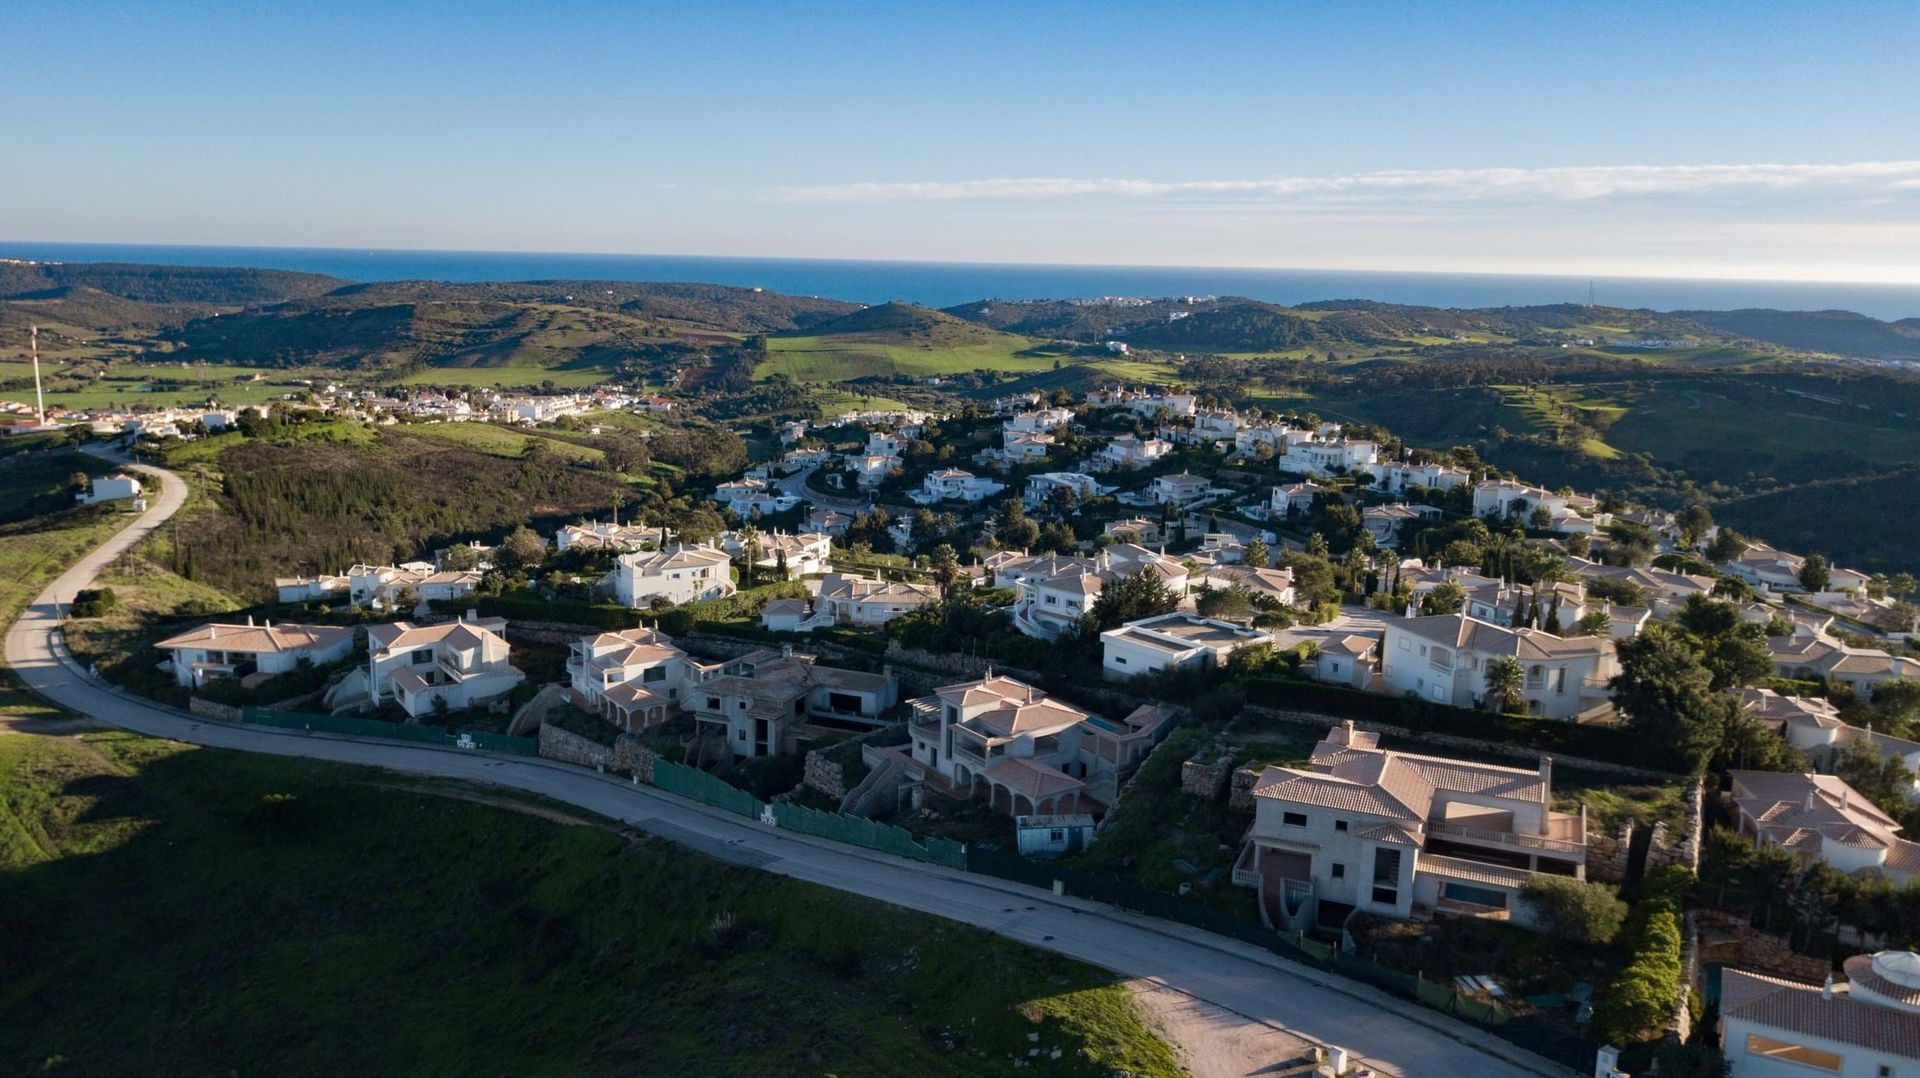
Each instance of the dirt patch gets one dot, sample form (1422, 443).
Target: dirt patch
(1212, 1042)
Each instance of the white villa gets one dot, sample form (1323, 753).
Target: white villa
(1042, 484)
(460, 664)
(1022, 446)
(1402, 835)
(1294, 498)
(632, 679)
(1813, 655)
(118, 487)
(1815, 727)
(1173, 641)
(1866, 1027)
(1039, 420)
(1025, 752)
(1567, 513)
(679, 574)
(1130, 451)
(1821, 818)
(1057, 592)
(846, 599)
(244, 651)
(390, 587)
(609, 536)
(769, 703)
(1444, 658)
(1180, 489)
(1396, 478)
(800, 555)
(955, 484)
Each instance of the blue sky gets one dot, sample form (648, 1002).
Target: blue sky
(1749, 140)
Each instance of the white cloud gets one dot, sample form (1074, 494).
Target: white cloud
(1854, 181)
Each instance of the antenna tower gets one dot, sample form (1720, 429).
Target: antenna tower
(39, 399)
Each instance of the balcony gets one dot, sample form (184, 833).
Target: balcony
(923, 715)
(1507, 839)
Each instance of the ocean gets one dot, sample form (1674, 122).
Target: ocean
(944, 284)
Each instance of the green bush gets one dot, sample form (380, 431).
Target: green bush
(92, 602)
(1575, 911)
(1643, 995)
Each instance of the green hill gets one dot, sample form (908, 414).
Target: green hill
(361, 333)
(899, 339)
(1839, 332)
(218, 286)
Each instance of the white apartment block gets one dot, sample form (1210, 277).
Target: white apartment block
(215, 650)
(608, 536)
(1444, 658)
(863, 603)
(1400, 834)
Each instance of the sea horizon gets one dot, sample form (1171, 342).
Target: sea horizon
(946, 284)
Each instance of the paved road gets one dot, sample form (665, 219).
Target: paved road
(1394, 1037)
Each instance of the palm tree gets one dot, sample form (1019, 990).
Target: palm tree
(1504, 678)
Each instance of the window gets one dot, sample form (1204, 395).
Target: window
(1339, 871)
(740, 736)
(421, 657)
(1768, 1048)
(656, 673)
(1294, 819)
(1120, 660)
(1386, 876)
(713, 703)
(1339, 825)
(1058, 834)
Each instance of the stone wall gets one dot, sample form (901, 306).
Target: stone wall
(1607, 854)
(571, 748)
(825, 775)
(1438, 740)
(1240, 798)
(209, 709)
(1728, 939)
(630, 757)
(1204, 775)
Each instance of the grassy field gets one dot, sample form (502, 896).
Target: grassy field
(837, 358)
(41, 532)
(155, 384)
(177, 910)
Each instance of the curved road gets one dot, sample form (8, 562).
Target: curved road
(1392, 1036)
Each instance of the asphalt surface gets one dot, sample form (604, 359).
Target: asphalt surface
(1390, 1035)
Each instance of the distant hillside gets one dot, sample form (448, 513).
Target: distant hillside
(211, 285)
(898, 339)
(341, 331)
(1839, 332)
(740, 310)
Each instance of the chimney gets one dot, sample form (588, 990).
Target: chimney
(472, 614)
(1826, 990)
(1346, 732)
(1546, 777)
(786, 651)
(249, 620)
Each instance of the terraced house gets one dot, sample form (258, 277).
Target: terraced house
(1402, 835)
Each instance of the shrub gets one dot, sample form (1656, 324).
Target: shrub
(93, 602)
(1575, 911)
(1643, 996)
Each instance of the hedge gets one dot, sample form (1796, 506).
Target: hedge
(1641, 999)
